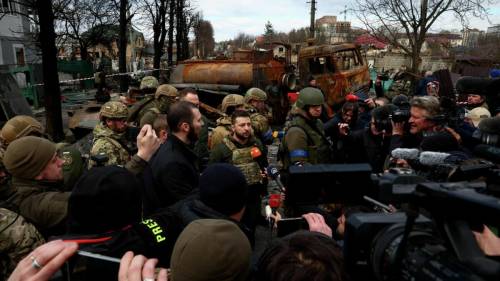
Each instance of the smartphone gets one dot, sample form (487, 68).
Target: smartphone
(290, 225)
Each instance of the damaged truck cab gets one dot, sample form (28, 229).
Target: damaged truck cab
(338, 69)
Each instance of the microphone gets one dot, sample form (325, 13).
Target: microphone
(405, 153)
(431, 158)
(257, 157)
(488, 152)
(275, 176)
(273, 203)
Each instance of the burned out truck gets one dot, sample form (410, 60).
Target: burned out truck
(338, 69)
(246, 69)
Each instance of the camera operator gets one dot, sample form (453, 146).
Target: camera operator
(425, 120)
(375, 140)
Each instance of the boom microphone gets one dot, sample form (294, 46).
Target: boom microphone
(405, 153)
(431, 158)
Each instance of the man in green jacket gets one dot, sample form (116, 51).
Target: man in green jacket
(37, 173)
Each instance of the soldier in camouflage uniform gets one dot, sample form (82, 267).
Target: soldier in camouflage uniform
(230, 103)
(110, 135)
(110, 140)
(17, 239)
(247, 153)
(22, 125)
(164, 97)
(255, 100)
(305, 140)
(148, 85)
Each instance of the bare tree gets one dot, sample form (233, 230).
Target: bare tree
(83, 22)
(154, 15)
(52, 96)
(243, 40)
(398, 21)
(42, 12)
(204, 43)
(171, 21)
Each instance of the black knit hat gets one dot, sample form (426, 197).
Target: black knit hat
(104, 199)
(223, 188)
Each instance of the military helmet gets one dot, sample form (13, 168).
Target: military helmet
(149, 82)
(231, 100)
(114, 109)
(166, 90)
(20, 126)
(309, 96)
(255, 94)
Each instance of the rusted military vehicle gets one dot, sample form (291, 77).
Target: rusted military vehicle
(247, 68)
(338, 69)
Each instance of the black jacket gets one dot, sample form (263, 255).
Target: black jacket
(375, 149)
(175, 171)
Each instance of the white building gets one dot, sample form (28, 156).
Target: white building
(16, 44)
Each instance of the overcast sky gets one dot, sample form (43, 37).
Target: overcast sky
(229, 17)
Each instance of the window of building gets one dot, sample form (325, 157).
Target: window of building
(19, 54)
(7, 6)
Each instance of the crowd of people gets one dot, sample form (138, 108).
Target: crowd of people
(166, 187)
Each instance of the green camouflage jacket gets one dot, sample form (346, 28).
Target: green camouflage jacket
(17, 239)
(111, 144)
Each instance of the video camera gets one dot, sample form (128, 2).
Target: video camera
(431, 239)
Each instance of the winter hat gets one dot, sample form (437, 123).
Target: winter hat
(105, 198)
(223, 188)
(27, 157)
(210, 249)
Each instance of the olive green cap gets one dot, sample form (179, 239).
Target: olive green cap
(27, 157)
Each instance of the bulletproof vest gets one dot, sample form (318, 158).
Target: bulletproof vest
(242, 158)
(318, 147)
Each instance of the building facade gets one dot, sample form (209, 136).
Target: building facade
(17, 47)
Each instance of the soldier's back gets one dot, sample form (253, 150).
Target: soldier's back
(17, 239)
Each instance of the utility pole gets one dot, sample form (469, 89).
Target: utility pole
(313, 14)
(345, 13)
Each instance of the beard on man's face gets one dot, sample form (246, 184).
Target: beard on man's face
(243, 136)
(192, 135)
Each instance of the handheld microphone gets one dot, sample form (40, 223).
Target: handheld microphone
(431, 158)
(275, 176)
(274, 203)
(405, 153)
